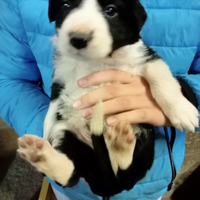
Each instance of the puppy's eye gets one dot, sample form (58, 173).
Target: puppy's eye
(66, 4)
(110, 11)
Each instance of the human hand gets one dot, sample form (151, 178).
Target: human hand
(127, 100)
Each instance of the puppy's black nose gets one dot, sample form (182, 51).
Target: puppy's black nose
(80, 40)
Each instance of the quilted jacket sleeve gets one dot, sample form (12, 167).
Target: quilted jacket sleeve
(192, 79)
(23, 105)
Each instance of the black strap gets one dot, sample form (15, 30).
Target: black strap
(173, 136)
(105, 198)
(170, 147)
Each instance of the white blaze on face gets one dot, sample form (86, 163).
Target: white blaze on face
(85, 19)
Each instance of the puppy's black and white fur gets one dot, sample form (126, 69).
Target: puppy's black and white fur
(95, 35)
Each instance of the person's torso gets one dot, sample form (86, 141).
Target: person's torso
(171, 30)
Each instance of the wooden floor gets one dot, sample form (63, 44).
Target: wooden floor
(46, 192)
(50, 194)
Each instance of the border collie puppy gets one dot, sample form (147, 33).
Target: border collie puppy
(95, 35)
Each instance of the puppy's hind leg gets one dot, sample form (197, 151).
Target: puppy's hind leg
(104, 181)
(120, 141)
(46, 159)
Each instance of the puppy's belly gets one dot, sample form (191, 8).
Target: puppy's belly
(77, 124)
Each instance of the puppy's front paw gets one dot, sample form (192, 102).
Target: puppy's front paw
(183, 115)
(120, 141)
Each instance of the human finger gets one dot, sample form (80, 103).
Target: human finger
(105, 77)
(120, 104)
(145, 115)
(106, 93)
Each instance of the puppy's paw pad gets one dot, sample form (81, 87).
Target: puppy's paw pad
(22, 144)
(30, 148)
(121, 136)
(28, 140)
(36, 156)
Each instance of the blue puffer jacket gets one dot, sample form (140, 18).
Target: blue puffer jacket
(26, 52)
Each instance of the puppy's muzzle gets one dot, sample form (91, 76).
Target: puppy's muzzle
(80, 40)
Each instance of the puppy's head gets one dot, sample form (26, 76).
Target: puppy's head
(95, 28)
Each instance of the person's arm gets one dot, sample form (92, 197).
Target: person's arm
(22, 103)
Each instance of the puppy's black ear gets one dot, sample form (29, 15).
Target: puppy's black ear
(139, 13)
(53, 9)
